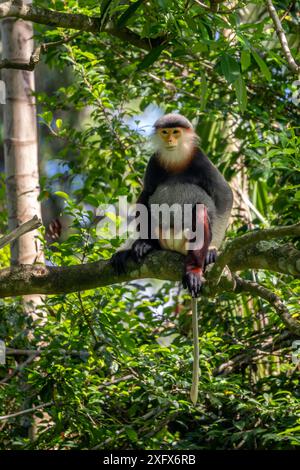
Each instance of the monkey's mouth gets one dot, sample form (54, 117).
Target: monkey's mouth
(171, 147)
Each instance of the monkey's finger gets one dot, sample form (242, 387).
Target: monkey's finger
(136, 251)
(144, 249)
(195, 284)
(188, 282)
(198, 287)
(139, 253)
(211, 256)
(140, 249)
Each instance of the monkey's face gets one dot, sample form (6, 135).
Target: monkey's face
(174, 146)
(171, 137)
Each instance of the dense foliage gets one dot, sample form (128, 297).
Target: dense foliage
(114, 364)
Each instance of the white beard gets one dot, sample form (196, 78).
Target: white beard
(177, 155)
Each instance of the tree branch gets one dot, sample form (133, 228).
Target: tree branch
(294, 67)
(18, 9)
(249, 251)
(25, 412)
(257, 290)
(36, 55)
(251, 354)
(247, 240)
(28, 226)
(164, 265)
(18, 369)
(268, 255)
(34, 279)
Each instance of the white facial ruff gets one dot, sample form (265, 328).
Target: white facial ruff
(177, 155)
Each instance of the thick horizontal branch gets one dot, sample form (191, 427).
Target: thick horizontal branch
(41, 279)
(164, 265)
(18, 9)
(28, 226)
(249, 241)
(268, 255)
(7, 64)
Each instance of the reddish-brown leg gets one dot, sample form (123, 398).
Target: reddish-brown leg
(196, 257)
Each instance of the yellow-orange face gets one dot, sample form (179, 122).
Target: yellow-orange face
(170, 136)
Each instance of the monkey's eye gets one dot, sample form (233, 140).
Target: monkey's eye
(164, 132)
(176, 131)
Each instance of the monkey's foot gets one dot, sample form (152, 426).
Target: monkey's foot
(140, 249)
(193, 281)
(119, 261)
(211, 256)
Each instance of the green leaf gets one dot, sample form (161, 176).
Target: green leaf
(230, 68)
(62, 194)
(165, 4)
(245, 60)
(241, 93)
(88, 55)
(125, 17)
(297, 195)
(47, 116)
(92, 200)
(131, 434)
(262, 65)
(58, 123)
(150, 58)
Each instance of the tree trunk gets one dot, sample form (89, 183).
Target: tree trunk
(20, 140)
(21, 165)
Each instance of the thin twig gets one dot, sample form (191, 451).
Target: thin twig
(38, 352)
(288, 10)
(202, 5)
(294, 67)
(36, 55)
(87, 318)
(116, 381)
(98, 100)
(172, 87)
(251, 206)
(257, 290)
(25, 412)
(28, 226)
(19, 368)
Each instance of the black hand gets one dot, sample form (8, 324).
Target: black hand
(193, 282)
(140, 249)
(211, 256)
(119, 261)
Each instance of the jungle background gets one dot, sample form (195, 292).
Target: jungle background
(108, 365)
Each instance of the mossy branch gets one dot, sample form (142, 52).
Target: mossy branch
(255, 250)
